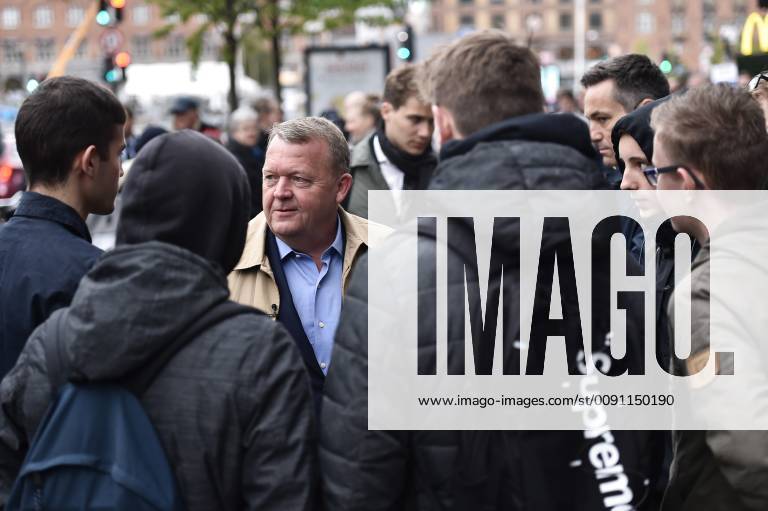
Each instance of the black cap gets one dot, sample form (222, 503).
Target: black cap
(184, 104)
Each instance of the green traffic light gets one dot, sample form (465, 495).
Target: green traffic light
(111, 75)
(403, 53)
(665, 66)
(102, 18)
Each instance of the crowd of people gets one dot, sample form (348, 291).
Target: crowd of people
(264, 405)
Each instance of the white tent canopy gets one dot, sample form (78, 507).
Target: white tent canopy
(155, 83)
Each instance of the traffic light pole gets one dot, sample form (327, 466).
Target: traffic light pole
(73, 43)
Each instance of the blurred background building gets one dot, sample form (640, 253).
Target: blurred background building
(700, 38)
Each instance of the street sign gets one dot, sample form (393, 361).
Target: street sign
(111, 40)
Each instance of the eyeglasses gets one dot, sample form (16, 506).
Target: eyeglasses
(652, 174)
(754, 83)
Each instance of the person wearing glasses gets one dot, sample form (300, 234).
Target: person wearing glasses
(758, 87)
(713, 138)
(632, 138)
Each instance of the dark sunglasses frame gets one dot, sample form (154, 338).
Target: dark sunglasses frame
(652, 174)
(754, 83)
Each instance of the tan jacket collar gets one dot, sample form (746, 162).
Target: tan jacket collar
(255, 254)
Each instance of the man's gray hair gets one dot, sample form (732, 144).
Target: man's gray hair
(241, 116)
(306, 129)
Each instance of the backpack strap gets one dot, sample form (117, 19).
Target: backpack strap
(139, 382)
(56, 361)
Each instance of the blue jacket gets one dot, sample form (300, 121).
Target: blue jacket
(45, 249)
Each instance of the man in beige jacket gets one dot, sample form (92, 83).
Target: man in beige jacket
(301, 249)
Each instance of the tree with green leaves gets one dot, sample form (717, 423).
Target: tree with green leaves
(265, 19)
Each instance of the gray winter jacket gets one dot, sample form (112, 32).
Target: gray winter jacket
(367, 176)
(232, 408)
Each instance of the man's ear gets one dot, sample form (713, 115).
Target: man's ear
(445, 124)
(688, 181)
(386, 108)
(644, 102)
(344, 185)
(87, 161)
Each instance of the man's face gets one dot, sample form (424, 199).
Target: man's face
(603, 111)
(357, 124)
(186, 120)
(409, 127)
(107, 175)
(247, 133)
(272, 116)
(301, 193)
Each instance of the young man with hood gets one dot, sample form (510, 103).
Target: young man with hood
(69, 134)
(232, 407)
(398, 155)
(488, 109)
(632, 139)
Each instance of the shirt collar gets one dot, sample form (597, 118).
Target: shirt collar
(378, 151)
(338, 243)
(36, 205)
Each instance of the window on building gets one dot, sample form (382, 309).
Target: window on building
(141, 46)
(678, 23)
(565, 53)
(43, 17)
(595, 21)
(645, 23)
(11, 18)
(595, 52)
(75, 15)
(566, 21)
(12, 53)
(82, 50)
(140, 15)
(45, 48)
(175, 47)
(211, 47)
(498, 21)
(467, 21)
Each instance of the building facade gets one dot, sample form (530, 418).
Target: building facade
(33, 33)
(690, 32)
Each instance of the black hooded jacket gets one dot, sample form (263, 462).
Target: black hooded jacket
(637, 124)
(469, 470)
(233, 407)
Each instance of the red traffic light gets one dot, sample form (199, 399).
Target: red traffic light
(123, 59)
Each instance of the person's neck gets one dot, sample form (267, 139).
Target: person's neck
(63, 194)
(313, 248)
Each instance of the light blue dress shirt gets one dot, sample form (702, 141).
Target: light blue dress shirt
(316, 294)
